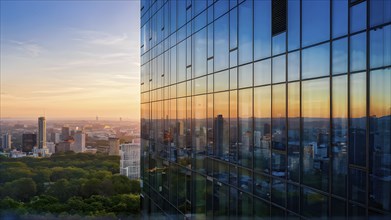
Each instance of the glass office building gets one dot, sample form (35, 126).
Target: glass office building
(266, 108)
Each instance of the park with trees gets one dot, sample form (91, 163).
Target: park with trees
(67, 184)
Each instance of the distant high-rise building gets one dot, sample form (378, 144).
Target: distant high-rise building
(65, 133)
(51, 147)
(80, 142)
(113, 146)
(29, 141)
(130, 160)
(6, 142)
(64, 146)
(41, 132)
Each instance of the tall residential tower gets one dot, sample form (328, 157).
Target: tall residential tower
(41, 132)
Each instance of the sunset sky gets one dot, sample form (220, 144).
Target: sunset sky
(70, 59)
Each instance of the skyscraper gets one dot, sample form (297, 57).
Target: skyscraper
(29, 141)
(113, 146)
(41, 132)
(266, 108)
(65, 133)
(80, 142)
(6, 141)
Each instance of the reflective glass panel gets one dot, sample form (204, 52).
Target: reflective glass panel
(221, 43)
(357, 133)
(246, 75)
(294, 131)
(358, 51)
(199, 48)
(358, 17)
(314, 205)
(263, 30)
(340, 56)
(279, 117)
(245, 127)
(221, 81)
(221, 128)
(380, 12)
(316, 61)
(199, 131)
(380, 46)
(293, 25)
(279, 69)
(315, 21)
(262, 128)
(339, 134)
(245, 32)
(340, 17)
(294, 66)
(316, 113)
(380, 112)
(262, 72)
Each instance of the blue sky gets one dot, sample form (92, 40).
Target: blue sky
(70, 59)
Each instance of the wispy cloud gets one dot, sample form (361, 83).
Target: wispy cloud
(100, 38)
(29, 48)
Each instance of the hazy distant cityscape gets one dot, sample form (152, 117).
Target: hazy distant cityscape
(44, 137)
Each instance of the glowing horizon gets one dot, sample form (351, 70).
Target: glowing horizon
(70, 60)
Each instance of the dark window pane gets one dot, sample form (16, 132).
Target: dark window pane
(358, 52)
(315, 113)
(380, 51)
(220, 200)
(357, 133)
(314, 205)
(245, 205)
(261, 209)
(340, 56)
(278, 192)
(358, 17)
(199, 199)
(262, 186)
(315, 21)
(293, 197)
(338, 208)
(316, 61)
(357, 186)
(245, 180)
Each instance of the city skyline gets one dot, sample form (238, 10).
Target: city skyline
(69, 59)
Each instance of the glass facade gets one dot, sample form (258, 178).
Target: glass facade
(266, 109)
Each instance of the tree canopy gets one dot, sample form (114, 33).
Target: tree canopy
(67, 184)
